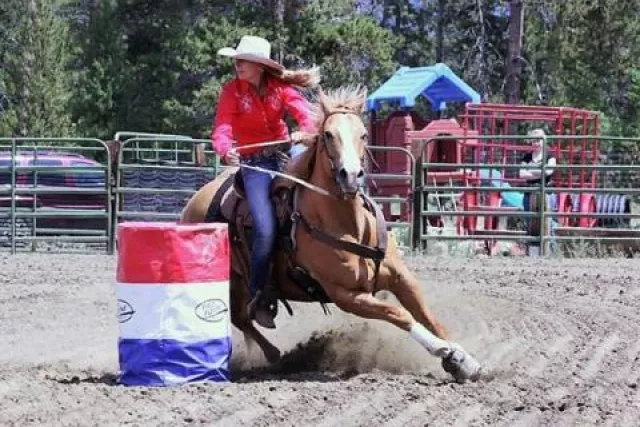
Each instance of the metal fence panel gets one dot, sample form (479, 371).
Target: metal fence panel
(394, 191)
(78, 190)
(55, 190)
(597, 209)
(156, 175)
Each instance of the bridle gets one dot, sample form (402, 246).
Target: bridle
(323, 145)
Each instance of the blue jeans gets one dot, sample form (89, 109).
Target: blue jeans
(257, 188)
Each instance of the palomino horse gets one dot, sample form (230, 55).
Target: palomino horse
(338, 251)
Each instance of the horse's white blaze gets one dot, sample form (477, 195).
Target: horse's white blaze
(350, 158)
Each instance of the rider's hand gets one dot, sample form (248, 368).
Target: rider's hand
(232, 158)
(298, 136)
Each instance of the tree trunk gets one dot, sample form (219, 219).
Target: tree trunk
(483, 74)
(27, 68)
(279, 9)
(514, 65)
(398, 23)
(440, 32)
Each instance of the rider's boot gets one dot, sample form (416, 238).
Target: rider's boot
(263, 309)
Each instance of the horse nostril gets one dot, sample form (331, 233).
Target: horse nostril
(343, 174)
(361, 174)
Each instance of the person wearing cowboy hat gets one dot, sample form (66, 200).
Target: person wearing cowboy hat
(533, 175)
(250, 111)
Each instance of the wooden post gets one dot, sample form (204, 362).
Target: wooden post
(514, 66)
(200, 158)
(279, 12)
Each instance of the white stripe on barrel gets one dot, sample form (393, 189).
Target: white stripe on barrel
(173, 303)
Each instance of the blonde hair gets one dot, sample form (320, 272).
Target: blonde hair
(308, 78)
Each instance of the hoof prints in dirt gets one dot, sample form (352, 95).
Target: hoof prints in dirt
(561, 338)
(106, 379)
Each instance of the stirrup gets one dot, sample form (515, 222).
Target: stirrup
(263, 309)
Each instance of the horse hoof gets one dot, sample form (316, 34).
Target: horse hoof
(462, 366)
(273, 356)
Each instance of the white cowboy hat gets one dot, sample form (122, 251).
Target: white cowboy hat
(254, 49)
(537, 135)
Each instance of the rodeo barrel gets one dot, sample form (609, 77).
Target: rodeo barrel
(173, 303)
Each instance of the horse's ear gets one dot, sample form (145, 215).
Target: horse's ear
(324, 102)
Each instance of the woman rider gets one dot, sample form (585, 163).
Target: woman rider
(250, 111)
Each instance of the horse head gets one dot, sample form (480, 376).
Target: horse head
(342, 137)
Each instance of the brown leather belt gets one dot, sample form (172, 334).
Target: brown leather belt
(265, 153)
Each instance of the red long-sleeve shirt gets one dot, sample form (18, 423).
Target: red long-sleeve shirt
(244, 117)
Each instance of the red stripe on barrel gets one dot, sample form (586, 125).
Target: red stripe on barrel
(166, 252)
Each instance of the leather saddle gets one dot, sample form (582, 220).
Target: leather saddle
(229, 205)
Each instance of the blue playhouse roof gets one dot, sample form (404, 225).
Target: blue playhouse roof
(437, 83)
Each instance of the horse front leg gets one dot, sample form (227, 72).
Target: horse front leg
(403, 284)
(365, 305)
(426, 329)
(251, 334)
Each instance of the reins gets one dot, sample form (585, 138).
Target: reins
(297, 180)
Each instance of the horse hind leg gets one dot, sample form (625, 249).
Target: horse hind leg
(240, 319)
(252, 335)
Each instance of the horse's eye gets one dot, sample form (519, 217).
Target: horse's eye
(328, 136)
(365, 137)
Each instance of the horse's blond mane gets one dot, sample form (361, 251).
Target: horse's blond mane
(351, 97)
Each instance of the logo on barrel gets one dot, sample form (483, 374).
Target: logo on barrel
(211, 310)
(125, 311)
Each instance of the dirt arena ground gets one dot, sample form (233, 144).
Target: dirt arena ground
(560, 337)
